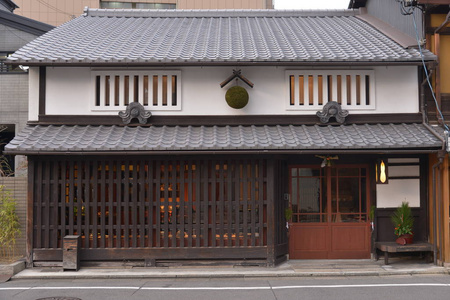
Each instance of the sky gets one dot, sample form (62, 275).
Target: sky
(311, 4)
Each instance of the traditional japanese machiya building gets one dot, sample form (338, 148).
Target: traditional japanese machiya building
(132, 145)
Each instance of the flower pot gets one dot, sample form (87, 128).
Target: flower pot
(404, 239)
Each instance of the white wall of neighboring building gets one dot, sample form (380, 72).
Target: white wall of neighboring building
(33, 90)
(71, 91)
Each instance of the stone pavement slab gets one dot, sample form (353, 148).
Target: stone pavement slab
(291, 268)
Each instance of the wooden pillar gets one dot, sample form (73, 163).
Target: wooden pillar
(445, 209)
(42, 89)
(30, 207)
(271, 226)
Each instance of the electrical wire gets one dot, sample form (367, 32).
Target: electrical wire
(54, 8)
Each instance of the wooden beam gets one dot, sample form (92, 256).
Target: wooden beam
(443, 31)
(236, 74)
(42, 89)
(156, 253)
(435, 2)
(437, 80)
(227, 120)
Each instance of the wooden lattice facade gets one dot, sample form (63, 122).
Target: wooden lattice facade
(140, 208)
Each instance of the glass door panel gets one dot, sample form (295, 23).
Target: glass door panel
(349, 195)
(308, 202)
(344, 187)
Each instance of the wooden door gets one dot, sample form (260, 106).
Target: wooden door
(330, 212)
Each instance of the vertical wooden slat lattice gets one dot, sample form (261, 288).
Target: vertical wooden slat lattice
(150, 203)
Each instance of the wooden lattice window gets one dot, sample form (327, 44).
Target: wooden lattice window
(313, 89)
(155, 90)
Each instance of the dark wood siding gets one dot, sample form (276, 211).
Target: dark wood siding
(146, 203)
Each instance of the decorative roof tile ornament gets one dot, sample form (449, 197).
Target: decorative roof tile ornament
(332, 109)
(135, 110)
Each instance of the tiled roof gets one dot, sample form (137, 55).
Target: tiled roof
(23, 24)
(88, 138)
(211, 36)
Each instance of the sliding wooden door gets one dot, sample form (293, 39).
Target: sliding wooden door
(330, 212)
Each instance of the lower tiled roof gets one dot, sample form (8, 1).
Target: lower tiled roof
(48, 139)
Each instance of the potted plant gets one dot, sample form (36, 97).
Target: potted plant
(403, 222)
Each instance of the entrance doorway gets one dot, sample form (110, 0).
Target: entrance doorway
(330, 212)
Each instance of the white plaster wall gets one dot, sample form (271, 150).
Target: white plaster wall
(70, 91)
(398, 191)
(33, 90)
(397, 89)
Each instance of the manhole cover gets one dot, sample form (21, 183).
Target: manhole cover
(59, 298)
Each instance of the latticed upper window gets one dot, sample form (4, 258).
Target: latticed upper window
(135, 5)
(353, 89)
(155, 90)
(4, 68)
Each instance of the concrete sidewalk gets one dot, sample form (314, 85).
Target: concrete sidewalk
(291, 268)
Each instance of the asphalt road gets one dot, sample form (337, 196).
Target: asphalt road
(390, 287)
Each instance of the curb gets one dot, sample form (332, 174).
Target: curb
(38, 274)
(13, 268)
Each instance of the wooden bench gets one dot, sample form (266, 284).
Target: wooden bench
(393, 247)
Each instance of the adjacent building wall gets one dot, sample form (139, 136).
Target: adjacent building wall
(444, 58)
(224, 4)
(14, 109)
(53, 12)
(14, 100)
(57, 12)
(390, 12)
(12, 39)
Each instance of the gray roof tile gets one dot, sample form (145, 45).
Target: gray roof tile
(64, 138)
(176, 36)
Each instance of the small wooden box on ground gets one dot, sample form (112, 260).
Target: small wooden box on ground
(71, 252)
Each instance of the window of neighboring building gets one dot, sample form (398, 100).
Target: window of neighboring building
(7, 133)
(134, 5)
(353, 89)
(155, 90)
(4, 68)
